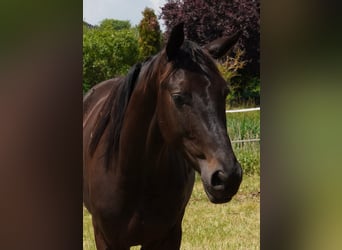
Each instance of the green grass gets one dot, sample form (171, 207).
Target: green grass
(88, 233)
(248, 154)
(234, 225)
(243, 126)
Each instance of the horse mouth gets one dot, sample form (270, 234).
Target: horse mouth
(218, 197)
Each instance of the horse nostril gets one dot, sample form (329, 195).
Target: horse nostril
(218, 179)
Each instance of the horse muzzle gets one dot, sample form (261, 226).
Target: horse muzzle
(220, 184)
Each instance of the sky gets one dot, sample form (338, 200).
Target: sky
(94, 11)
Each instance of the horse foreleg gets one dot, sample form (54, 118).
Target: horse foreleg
(101, 243)
(171, 241)
(99, 239)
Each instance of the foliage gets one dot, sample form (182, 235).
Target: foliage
(149, 34)
(208, 20)
(244, 89)
(115, 24)
(229, 69)
(108, 52)
(87, 26)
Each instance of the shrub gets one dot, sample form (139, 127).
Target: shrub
(245, 90)
(229, 69)
(208, 20)
(112, 24)
(107, 53)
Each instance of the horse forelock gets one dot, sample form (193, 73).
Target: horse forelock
(190, 57)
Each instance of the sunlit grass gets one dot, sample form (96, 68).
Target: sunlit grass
(242, 126)
(245, 125)
(88, 233)
(234, 225)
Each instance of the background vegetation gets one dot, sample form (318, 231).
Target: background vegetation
(149, 34)
(111, 48)
(207, 20)
(108, 50)
(243, 126)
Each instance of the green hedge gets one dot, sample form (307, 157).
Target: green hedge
(107, 53)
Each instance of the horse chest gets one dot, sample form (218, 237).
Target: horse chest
(155, 216)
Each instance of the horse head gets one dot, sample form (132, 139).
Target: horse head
(191, 112)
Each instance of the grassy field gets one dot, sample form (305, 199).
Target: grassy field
(234, 225)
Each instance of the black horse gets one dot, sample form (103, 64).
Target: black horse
(145, 134)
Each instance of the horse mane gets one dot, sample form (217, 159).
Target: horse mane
(113, 113)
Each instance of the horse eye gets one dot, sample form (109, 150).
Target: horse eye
(178, 99)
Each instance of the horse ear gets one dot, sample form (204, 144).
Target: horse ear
(175, 41)
(221, 46)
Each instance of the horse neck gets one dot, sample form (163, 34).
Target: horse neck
(144, 159)
(139, 121)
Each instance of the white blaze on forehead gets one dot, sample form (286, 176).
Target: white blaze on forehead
(209, 104)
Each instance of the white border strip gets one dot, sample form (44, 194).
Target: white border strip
(242, 110)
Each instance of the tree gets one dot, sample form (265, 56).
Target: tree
(207, 20)
(149, 34)
(107, 53)
(115, 24)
